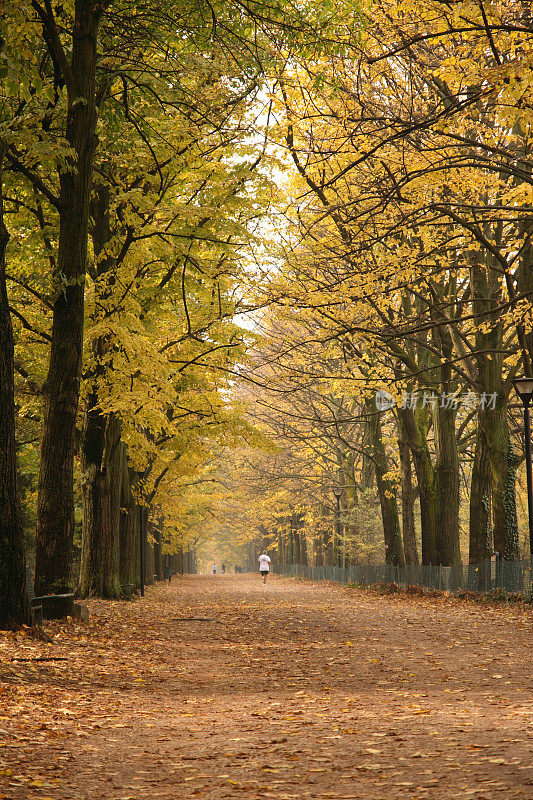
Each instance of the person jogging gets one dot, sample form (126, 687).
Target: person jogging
(264, 565)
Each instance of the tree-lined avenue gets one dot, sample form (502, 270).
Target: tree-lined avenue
(293, 690)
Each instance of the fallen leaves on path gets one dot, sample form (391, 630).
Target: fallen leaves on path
(219, 687)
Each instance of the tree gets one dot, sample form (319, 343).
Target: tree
(14, 610)
(77, 72)
(393, 151)
(134, 43)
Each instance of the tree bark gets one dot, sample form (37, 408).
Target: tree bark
(55, 507)
(296, 539)
(116, 469)
(129, 529)
(102, 471)
(447, 550)
(503, 461)
(158, 553)
(408, 500)
(14, 609)
(367, 468)
(291, 542)
(351, 525)
(415, 433)
(480, 544)
(99, 455)
(303, 549)
(281, 549)
(149, 550)
(503, 464)
(327, 537)
(386, 492)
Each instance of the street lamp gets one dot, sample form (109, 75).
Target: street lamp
(524, 389)
(337, 491)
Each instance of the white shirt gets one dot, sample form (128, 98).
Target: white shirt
(264, 563)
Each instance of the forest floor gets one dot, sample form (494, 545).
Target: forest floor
(290, 690)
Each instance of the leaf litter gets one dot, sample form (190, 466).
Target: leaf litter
(318, 691)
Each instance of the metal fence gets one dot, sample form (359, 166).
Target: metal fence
(507, 576)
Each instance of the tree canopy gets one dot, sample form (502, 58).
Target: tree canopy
(224, 228)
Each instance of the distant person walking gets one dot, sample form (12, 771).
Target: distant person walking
(264, 565)
(214, 568)
(223, 569)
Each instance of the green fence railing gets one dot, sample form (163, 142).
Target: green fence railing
(509, 576)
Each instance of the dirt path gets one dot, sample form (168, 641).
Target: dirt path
(295, 690)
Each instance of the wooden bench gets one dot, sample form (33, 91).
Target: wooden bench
(48, 606)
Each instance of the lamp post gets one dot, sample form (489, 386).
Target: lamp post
(524, 389)
(337, 491)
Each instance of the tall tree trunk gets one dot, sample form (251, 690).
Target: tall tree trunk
(318, 542)
(408, 500)
(480, 545)
(291, 542)
(524, 273)
(14, 610)
(367, 467)
(296, 540)
(149, 550)
(386, 491)
(447, 548)
(351, 524)
(116, 469)
(158, 553)
(129, 529)
(99, 455)
(327, 536)
(415, 428)
(503, 462)
(55, 507)
(444, 413)
(102, 470)
(281, 549)
(174, 564)
(303, 549)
